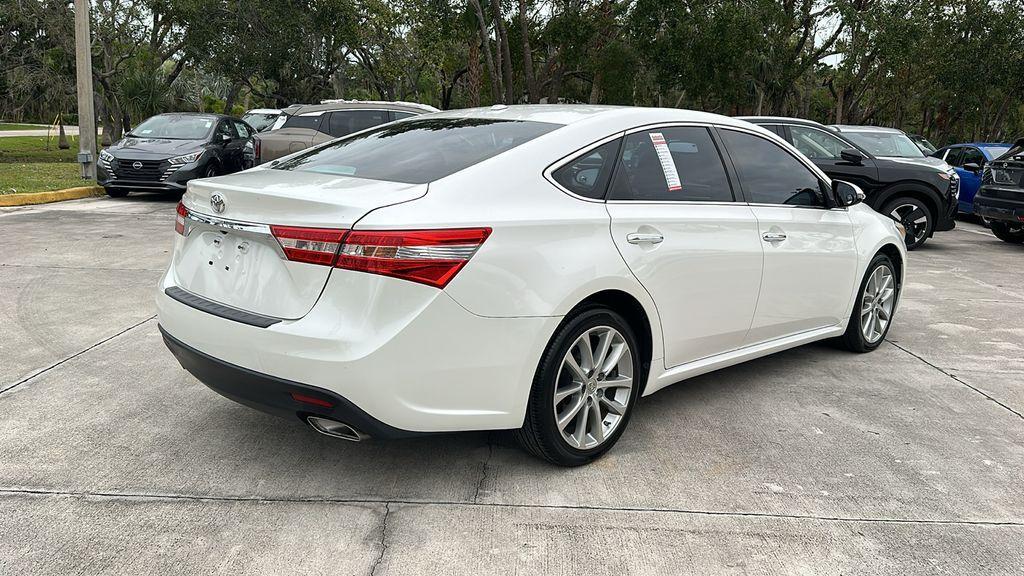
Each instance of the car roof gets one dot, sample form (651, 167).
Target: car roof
(781, 120)
(263, 111)
(616, 117)
(982, 144)
(877, 129)
(329, 105)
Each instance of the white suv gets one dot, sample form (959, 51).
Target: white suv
(532, 268)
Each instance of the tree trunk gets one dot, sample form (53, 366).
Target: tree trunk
(473, 98)
(531, 82)
(232, 96)
(506, 55)
(485, 43)
(596, 91)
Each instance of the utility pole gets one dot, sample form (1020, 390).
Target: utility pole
(87, 152)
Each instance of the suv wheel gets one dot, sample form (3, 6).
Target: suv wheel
(583, 393)
(874, 307)
(915, 217)
(1007, 232)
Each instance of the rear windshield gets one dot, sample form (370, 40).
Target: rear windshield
(419, 150)
(1015, 154)
(174, 127)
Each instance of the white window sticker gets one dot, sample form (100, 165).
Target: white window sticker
(668, 166)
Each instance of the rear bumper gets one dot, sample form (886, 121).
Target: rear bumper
(399, 357)
(1010, 206)
(273, 395)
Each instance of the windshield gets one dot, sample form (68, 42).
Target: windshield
(418, 151)
(175, 127)
(260, 122)
(895, 144)
(996, 151)
(923, 143)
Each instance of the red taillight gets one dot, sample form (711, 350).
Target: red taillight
(310, 245)
(431, 257)
(303, 398)
(179, 220)
(256, 149)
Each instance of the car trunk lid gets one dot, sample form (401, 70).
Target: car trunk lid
(229, 253)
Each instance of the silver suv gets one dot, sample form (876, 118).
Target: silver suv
(311, 124)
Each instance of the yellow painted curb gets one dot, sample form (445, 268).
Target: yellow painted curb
(54, 196)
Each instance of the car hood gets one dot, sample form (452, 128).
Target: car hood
(155, 148)
(926, 161)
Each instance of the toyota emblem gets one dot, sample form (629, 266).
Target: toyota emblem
(217, 202)
(137, 165)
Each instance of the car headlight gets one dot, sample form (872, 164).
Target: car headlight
(107, 156)
(186, 158)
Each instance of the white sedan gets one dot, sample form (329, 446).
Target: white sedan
(533, 268)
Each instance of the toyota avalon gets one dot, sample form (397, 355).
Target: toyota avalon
(526, 268)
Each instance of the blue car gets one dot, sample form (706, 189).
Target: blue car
(969, 159)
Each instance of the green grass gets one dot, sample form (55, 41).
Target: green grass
(33, 149)
(18, 177)
(5, 126)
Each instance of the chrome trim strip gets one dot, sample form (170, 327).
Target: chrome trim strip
(236, 225)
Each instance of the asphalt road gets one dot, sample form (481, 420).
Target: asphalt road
(113, 460)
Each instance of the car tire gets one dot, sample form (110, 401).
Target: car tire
(211, 171)
(603, 403)
(116, 192)
(915, 216)
(871, 305)
(1007, 232)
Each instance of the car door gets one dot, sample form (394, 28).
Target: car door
(810, 253)
(970, 180)
(686, 238)
(825, 150)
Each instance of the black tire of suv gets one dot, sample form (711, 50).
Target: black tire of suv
(540, 435)
(853, 339)
(1008, 233)
(116, 192)
(929, 222)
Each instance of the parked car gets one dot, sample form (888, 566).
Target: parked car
(923, 143)
(166, 151)
(901, 182)
(262, 119)
(535, 268)
(969, 160)
(314, 124)
(1001, 196)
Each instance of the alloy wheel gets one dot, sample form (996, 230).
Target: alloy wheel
(877, 304)
(914, 219)
(593, 389)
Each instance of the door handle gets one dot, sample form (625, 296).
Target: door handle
(638, 238)
(773, 236)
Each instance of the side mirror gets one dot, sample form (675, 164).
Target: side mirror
(224, 138)
(852, 155)
(847, 194)
(972, 167)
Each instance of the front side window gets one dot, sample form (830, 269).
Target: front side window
(671, 164)
(243, 130)
(770, 174)
(420, 150)
(953, 156)
(225, 128)
(816, 144)
(972, 156)
(588, 175)
(345, 122)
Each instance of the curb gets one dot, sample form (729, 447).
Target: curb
(53, 196)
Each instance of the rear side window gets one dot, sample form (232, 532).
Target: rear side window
(312, 122)
(673, 164)
(348, 122)
(770, 174)
(396, 115)
(588, 175)
(419, 150)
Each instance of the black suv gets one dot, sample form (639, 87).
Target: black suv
(900, 181)
(1001, 196)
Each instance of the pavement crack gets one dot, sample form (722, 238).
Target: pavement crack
(383, 539)
(483, 471)
(955, 378)
(75, 355)
(562, 507)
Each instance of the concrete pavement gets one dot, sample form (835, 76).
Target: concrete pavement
(909, 460)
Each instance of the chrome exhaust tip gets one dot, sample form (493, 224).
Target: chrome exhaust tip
(335, 429)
